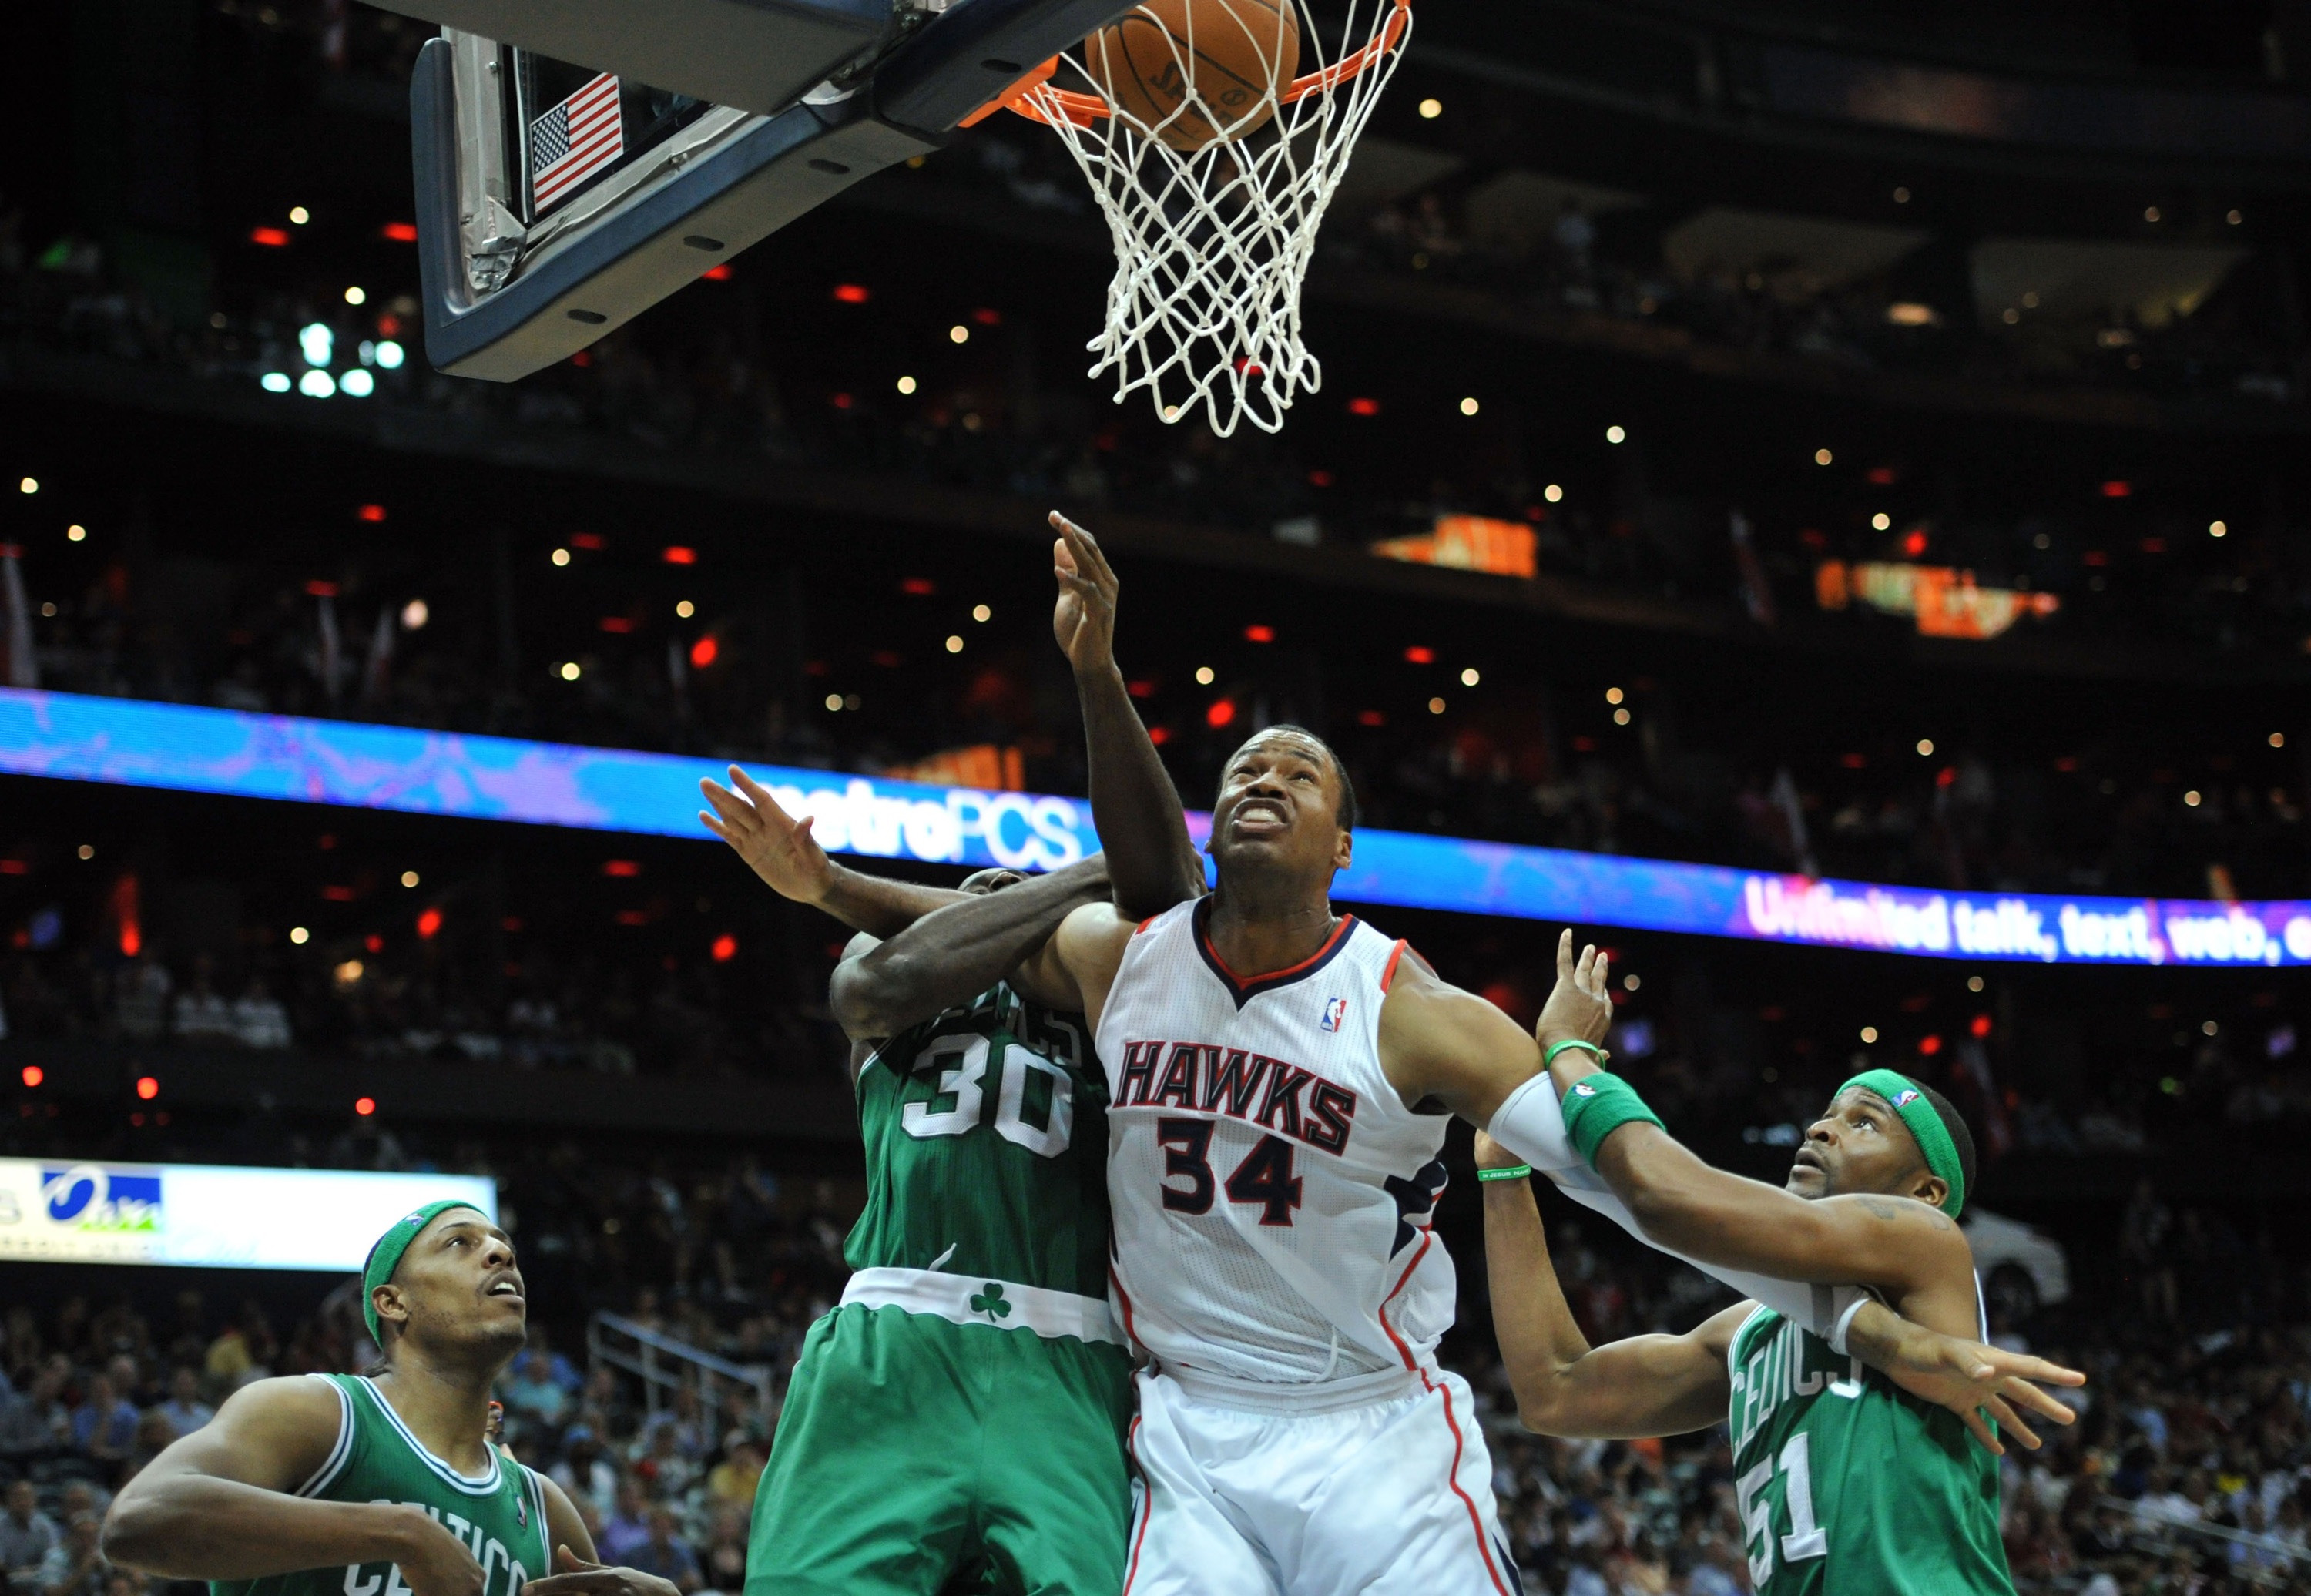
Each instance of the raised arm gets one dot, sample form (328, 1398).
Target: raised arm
(1915, 1255)
(958, 951)
(782, 851)
(1645, 1385)
(1664, 1385)
(218, 1503)
(1133, 803)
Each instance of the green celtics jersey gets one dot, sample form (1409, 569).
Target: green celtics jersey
(986, 1132)
(499, 1516)
(1844, 1483)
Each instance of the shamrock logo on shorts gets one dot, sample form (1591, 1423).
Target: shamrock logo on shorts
(990, 1301)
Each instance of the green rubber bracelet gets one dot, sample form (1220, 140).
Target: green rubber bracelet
(1514, 1172)
(1549, 1057)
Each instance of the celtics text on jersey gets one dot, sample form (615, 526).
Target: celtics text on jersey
(499, 1515)
(1845, 1483)
(986, 1133)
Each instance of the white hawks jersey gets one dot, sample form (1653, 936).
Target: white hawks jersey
(1271, 1193)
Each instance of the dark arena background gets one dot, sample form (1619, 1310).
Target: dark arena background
(1761, 444)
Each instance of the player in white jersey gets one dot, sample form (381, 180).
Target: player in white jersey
(1280, 1079)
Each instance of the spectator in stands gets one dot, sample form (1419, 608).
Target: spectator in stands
(74, 1566)
(104, 1425)
(733, 1481)
(26, 1535)
(258, 1020)
(724, 1565)
(201, 1015)
(39, 1420)
(585, 1470)
(185, 1410)
(628, 1524)
(530, 1393)
(665, 1553)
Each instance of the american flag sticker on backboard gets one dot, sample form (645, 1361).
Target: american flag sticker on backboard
(573, 141)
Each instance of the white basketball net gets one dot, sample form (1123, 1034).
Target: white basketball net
(1212, 244)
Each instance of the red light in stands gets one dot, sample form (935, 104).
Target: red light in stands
(321, 589)
(674, 553)
(725, 948)
(985, 317)
(373, 943)
(704, 651)
(1159, 734)
(1813, 538)
(1221, 713)
(1139, 689)
(1879, 476)
(33, 1075)
(1584, 745)
(14, 867)
(399, 232)
(388, 327)
(339, 894)
(1416, 655)
(632, 917)
(429, 923)
(370, 512)
(584, 357)
(364, 1106)
(1980, 1025)
(271, 238)
(619, 623)
(2067, 764)
(622, 867)
(2154, 545)
(918, 587)
(1930, 1045)
(1364, 406)
(147, 1087)
(1913, 545)
(2095, 557)
(1320, 479)
(589, 540)
(853, 293)
(1947, 776)
(717, 274)
(1853, 762)
(1260, 634)
(842, 401)
(1371, 718)
(2118, 489)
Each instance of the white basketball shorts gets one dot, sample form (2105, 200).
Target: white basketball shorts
(1390, 1498)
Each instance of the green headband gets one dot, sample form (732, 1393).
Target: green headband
(1933, 1137)
(385, 1255)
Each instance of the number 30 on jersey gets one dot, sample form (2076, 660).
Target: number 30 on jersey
(962, 1062)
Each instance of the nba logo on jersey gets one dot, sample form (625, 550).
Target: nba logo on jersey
(1336, 1009)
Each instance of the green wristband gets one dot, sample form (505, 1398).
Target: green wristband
(1549, 1057)
(1514, 1172)
(1596, 1106)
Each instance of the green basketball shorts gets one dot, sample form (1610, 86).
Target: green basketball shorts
(915, 1456)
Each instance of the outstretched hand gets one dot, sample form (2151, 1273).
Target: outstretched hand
(1580, 1005)
(1084, 622)
(572, 1575)
(780, 848)
(1968, 1378)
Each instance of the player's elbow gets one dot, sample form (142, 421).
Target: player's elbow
(1540, 1401)
(866, 1000)
(135, 1532)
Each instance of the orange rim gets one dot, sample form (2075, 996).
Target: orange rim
(1029, 96)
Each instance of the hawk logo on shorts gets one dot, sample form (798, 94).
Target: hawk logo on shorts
(1336, 1011)
(1584, 1089)
(1904, 1099)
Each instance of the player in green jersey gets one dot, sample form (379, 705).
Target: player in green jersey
(1853, 1470)
(958, 1421)
(379, 1485)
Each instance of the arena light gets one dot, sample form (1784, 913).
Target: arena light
(1364, 406)
(906, 385)
(299, 936)
(300, 214)
(958, 333)
(955, 643)
(980, 612)
(270, 238)
(560, 557)
(1881, 522)
(704, 651)
(389, 356)
(851, 293)
(1430, 109)
(148, 1088)
(1469, 406)
(275, 382)
(725, 948)
(1925, 747)
(1910, 313)
(1221, 713)
(364, 1106)
(30, 484)
(1260, 634)
(2117, 490)
(32, 1074)
(1419, 654)
(357, 384)
(317, 385)
(399, 232)
(318, 342)
(1471, 676)
(1822, 457)
(1553, 492)
(2218, 530)
(1616, 434)
(1436, 706)
(429, 923)
(369, 512)
(568, 670)
(409, 879)
(1204, 675)
(678, 554)
(357, 295)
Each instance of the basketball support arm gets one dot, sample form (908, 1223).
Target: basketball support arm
(765, 174)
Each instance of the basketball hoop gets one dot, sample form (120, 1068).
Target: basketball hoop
(1213, 180)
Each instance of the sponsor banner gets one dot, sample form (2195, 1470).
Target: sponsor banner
(92, 1211)
(183, 748)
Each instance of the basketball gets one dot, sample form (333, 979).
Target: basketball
(1219, 57)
